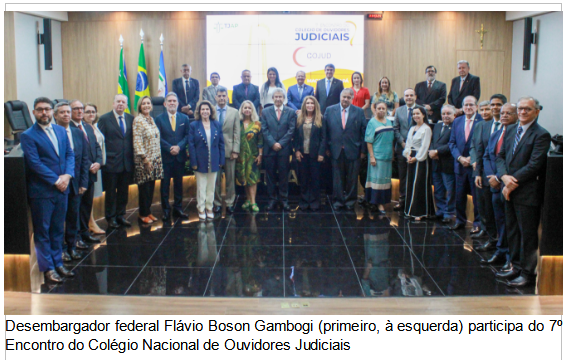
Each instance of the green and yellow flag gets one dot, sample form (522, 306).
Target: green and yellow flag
(123, 81)
(142, 85)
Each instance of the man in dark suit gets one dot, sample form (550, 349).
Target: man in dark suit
(278, 125)
(94, 159)
(480, 140)
(297, 93)
(174, 130)
(521, 165)
(245, 91)
(462, 86)
(187, 90)
(79, 182)
(401, 125)
(443, 166)
(116, 126)
(508, 117)
(431, 94)
(460, 143)
(50, 165)
(345, 128)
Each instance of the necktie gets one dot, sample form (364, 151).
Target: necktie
(173, 122)
(410, 117)
(84, 132)
(300, 92)
(53, 139)
(122, 126)
(500, 142)
(468, 127)
(221, 116)
(278, 114)
(327, 87)
(187, 86)
(442, 130)
(344, 119)
(429, 88)
(461, 83)
(246, 92)
(70, 136)
(495, 127)
(517, 138)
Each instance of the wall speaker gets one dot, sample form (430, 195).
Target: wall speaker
(45, 40)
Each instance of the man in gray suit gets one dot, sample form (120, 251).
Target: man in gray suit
(209, 92)
(229, 119)
(346, 128)
(401, 126)
(278, 125)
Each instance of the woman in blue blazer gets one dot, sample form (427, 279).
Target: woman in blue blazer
(206, 154)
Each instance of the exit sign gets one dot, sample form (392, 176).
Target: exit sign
(375, 16)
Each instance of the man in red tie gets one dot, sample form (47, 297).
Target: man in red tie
(431, 94)
(460, 143)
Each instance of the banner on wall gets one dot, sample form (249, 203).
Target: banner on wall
(287, 42)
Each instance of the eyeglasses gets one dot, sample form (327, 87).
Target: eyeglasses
(43, 109)
(89, 112)
(77, 108)
(524, 109)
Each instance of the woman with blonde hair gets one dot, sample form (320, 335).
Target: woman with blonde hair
(147, 157)
(251, 153)
(387, 95)
(310, 145)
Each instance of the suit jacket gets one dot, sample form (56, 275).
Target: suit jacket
(43, 165)
(294, 101)
(231, 131)
(239, 95)
(401, 126)
(198, 147)
(435, 98)
(482, 133)
(333, 96)
(351, 139)
(471, 87)
(94, 151)
(490, 158)
(119, 147)
(458, 144)
(82, 164)
(278, 131)
(209, 94)
(527, 165)
(191, 97)
(170, 138)
(317, 143)
(439, 142)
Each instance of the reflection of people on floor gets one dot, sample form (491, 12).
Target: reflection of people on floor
(375, 278)
(206, 245)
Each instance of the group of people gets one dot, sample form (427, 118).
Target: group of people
(451, 146)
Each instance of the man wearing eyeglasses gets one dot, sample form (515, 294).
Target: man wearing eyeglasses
(50, 165)
(95, 159)
(521, 166)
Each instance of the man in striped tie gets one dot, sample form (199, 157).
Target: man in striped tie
(521, 166)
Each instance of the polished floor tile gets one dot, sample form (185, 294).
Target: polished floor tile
(103, 280)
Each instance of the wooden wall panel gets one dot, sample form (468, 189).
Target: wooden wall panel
(10, 85)
(400, 47)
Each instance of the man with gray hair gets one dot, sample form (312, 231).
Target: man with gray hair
(463, 85)
(297, 93)
(346, 128)
(278, 126)
(229, 119)
(187, 90)
(209, 92)
(174, 129)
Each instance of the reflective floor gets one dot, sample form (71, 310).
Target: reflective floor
(284, 254)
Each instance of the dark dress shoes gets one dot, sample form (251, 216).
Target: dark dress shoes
(112, 224)
(507, 274)
(486, 246)
(399, 207)
(217, 209)
(90, 238)
(480, 234)
(496, 259)
(75, 255)
(457, 226)
(166, 216)
(65, 256)
(64, 272)
(285, 206)
(518, 282)
(52, 277)
(230, 209)
(79, 244)
(123, 221)
(270, 206)
(475, 230)
(180, 214)
(508, 265)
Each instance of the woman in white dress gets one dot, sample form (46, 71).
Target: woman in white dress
(268, 88)
(91, 118)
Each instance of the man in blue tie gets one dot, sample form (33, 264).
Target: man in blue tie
(187, 90)
(297, 93)
(50, 165)
(116, 126)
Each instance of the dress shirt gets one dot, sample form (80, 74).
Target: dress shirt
(345, 115)
(171, 120)
(118, 120)
(493, 126)
(462, 80)
(70, 136)
(278, 108)
(81, 127)
(300, 90)
(185, 88)
(51, 135)
(525, 128)
(218, 110)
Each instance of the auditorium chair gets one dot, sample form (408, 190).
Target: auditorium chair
(57, 101)
(158, 107)
(18, 116)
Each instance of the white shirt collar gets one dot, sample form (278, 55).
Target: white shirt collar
(222, 108)
(463, 78)
(472, 118)
(347, 109)
(431, 82)
(301, 86)
(77, 123)
(116, 114)
(331, 80)
(526, 127)
(169, 114)
(280, 108)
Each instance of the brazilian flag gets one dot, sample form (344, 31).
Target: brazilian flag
(142, 84)
(123, 81)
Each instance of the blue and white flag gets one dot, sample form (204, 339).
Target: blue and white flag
(162, 88)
